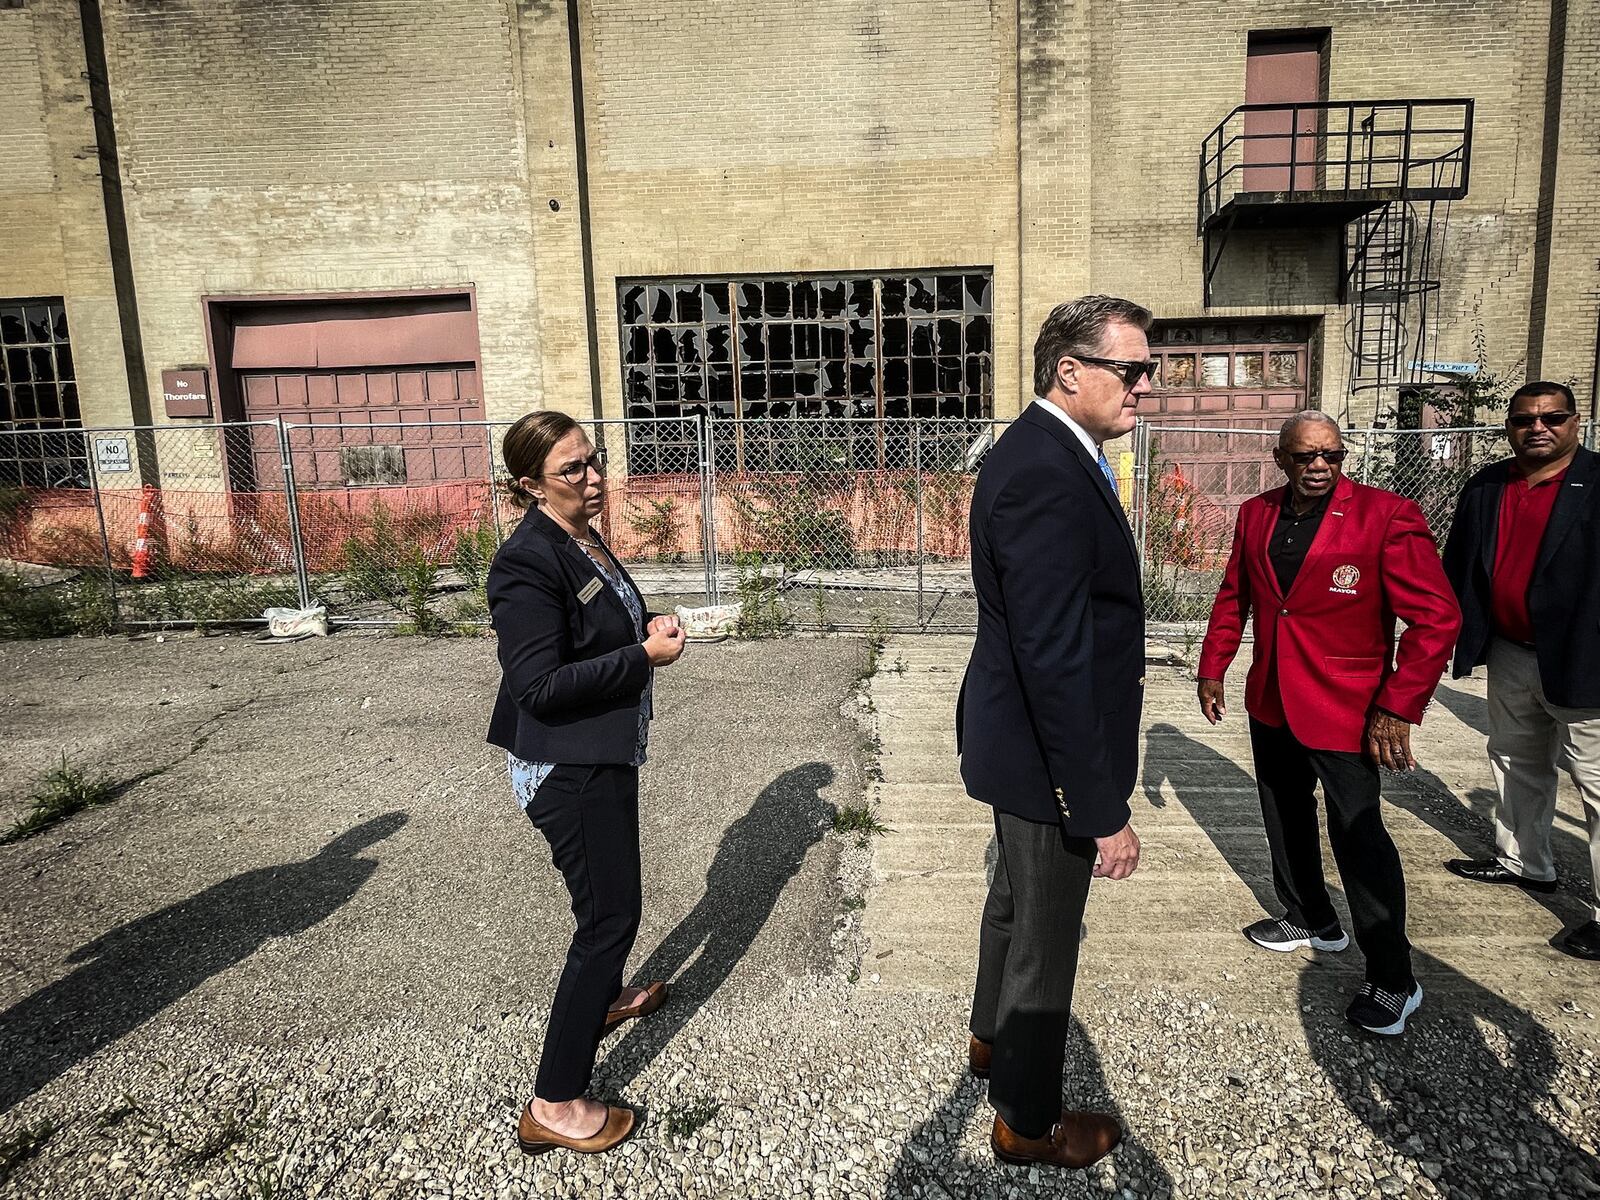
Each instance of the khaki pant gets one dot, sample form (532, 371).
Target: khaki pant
(1530, 741)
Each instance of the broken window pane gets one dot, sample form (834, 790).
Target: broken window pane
(922, 298)
(718, 340)
(978, 374)
(666, 347)
(666, 390)
(833, 341)
(861, 339)
(949, 374)
(863, 379)
(660, 304)
(632, 306)
(715, 296)
(752, 343)
(894, 298)
(691, 346)
(749, 300)
(922, 339)
(978, 335)
(807, 341)
(780, 381)
(924, 376)
(977, 298)
(949, 336)
(775, 296)
(720, 388)
(637, 345)
(924, 406)
(689, 308)
(693, 389)
(753, 385)
(949, 293)
(951, 406)
(639, 390)
(896, 377)
(833, 295)
(833, 379)
(780, 341)
(861, 296)
(805, 299)
(896, 336)
(805, 381)
(896, 408)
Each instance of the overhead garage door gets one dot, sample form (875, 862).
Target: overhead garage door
(1244, 375)
(384, 385)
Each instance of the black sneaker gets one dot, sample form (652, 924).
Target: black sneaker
(1274, 933)
(1378, 1011)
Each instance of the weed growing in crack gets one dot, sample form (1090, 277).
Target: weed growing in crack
(23, 1145)
(64, 790)
(861, 820)
(685, 1119)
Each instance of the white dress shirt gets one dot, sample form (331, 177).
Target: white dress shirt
(1060, 414)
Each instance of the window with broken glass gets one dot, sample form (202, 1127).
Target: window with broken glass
(39, 398)
(813, 371)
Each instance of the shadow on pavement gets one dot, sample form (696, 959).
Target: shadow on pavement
(1464, 1112)
(136, 970)
(759, 854)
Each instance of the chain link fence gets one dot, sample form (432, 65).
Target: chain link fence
(833, 523)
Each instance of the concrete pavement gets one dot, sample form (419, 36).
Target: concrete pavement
(1205, 871)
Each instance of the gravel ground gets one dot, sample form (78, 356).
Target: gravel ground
(271, 968)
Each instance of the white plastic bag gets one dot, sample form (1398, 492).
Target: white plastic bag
(289, 624)
(709, 624)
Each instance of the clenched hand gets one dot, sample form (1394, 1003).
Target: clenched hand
(1119, 854)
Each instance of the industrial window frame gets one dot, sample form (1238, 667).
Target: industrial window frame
(776, 361)
(39, 408)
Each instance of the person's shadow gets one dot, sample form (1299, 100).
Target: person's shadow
(759, 854)
(137, 969)
(1404, 1090)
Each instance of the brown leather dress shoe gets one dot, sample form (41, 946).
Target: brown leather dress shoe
(978, 1055)
(655, 995)
(535, 1138)
(1077, 1140)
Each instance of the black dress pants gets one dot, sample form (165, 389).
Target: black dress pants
(1027, 964)
(590, 817)
(1287, 773)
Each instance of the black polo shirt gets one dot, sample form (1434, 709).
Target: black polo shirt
(1291, 537)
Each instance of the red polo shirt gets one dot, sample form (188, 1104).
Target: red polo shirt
(1524, 514)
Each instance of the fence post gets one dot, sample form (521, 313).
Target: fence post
(708, 507)
(105, 538)
(494, 492)
(1140, 497)
(916, 475)
(1366, 454)
(292, 501)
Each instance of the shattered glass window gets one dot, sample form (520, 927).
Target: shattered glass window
(39, 415)
(809, 372)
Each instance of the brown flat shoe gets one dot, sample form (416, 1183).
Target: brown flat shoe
(1077, 1140)
(978, 1055)
(655, 995)
(535, 1138)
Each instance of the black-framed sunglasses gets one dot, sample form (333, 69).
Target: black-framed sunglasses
(1553, 420)
(1132, 370)
(1306, 457)
(576, 473)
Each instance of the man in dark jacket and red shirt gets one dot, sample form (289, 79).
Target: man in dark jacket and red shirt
(1324, 566)
(1524, 558)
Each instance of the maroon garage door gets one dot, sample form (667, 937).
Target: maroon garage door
(383, 383)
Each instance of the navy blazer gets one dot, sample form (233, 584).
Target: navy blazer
(1564, 594)
(572, 670)
(1048, 720)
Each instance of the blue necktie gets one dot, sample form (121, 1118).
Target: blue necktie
(1105, 469)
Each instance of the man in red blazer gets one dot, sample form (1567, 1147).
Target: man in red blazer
(1324, 566)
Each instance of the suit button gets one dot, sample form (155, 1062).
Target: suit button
(1058, 794)
(1066, 812)
(1283, 612)
(1141, 681)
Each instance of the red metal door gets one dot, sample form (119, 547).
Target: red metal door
(1282, 73)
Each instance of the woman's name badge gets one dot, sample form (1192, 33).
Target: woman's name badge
(589, 591)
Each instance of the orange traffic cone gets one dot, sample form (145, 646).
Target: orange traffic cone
(145, 528)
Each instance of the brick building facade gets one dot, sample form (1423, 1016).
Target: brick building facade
(400, 210)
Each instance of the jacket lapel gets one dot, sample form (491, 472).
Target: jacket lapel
(1569, 504)
(1341, 508)
(1068, 441)
(1489, 519)
(575, 555)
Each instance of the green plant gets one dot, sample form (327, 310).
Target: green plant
(760, 614)
(854, 903)
(80, 605)
(786, 519)
(418, 576)
(659, 528)
(859, 819)
(474, 551)
(685, 1119)
(22, 1145)
(64, 789)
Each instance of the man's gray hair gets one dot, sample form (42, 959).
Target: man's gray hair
(1079, 327)
(1307, 416)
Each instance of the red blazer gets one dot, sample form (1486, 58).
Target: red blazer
(1325, 653)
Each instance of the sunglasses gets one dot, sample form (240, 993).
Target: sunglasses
(1306, 457)
(1132, 371)
(1553, 420)
(576, 473)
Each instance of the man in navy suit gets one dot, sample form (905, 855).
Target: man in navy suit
(1048, 720)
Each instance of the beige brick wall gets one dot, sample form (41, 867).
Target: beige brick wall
(369, 145)
(52, 215)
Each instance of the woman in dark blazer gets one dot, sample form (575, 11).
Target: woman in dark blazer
(577, 653)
